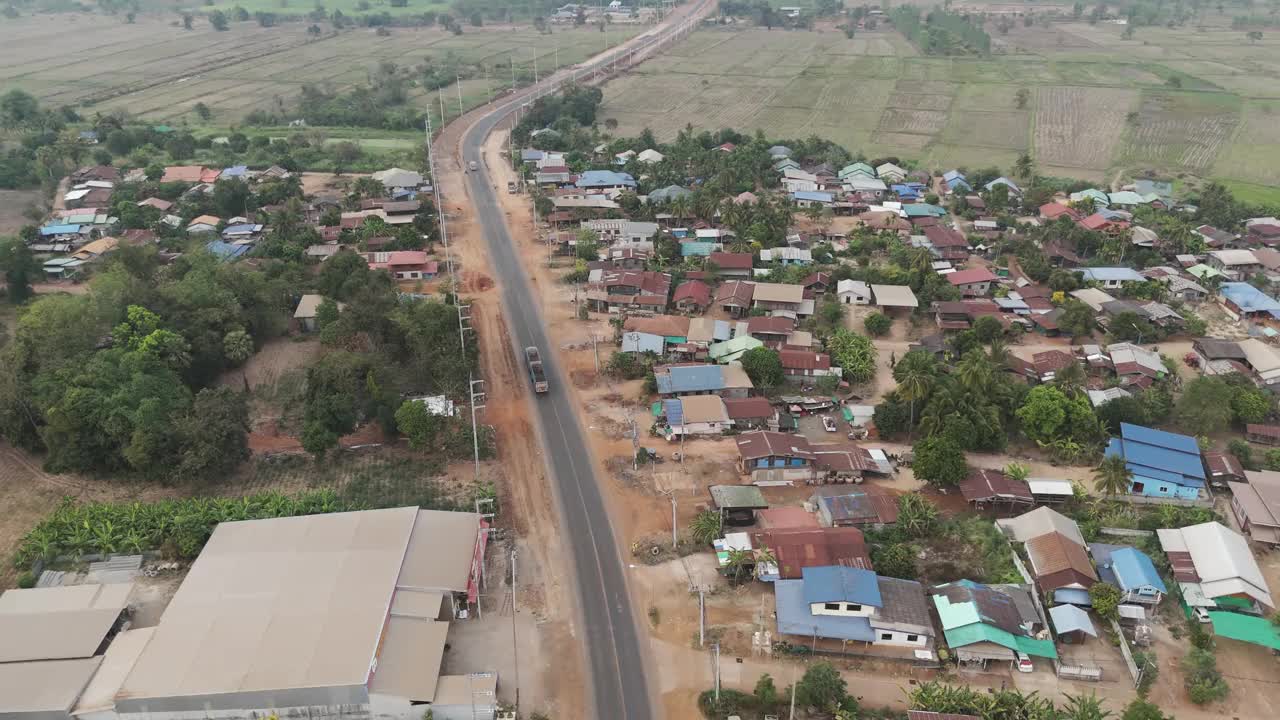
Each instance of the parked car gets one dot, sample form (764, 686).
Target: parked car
(511, 187)
(1024, 663)
(1201, 614)
(473, 166)
(828, 423)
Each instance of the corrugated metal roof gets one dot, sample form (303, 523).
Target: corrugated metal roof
(690, 379)
(832, 583)
(44, 687)
(794, 617)
(1134, 570)
(1069, 618)
(741, 497)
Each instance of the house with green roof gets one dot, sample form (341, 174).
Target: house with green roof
(858, 168)
(982, 623)
(732, 350)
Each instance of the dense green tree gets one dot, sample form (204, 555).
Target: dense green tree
(896, 561)
(821, 688)
(939, 461)
(764, 368)
(20, 268)
(1077, 319)
(854, 354)
(877, 324)
(1106, 599)
(1205, 407)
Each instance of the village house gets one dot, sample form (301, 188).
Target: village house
(1243, 301)
(1163, 464)
(1110, 278)
(780, 297)
(1058, 562)
(727, 381)
(612, 232)
(692, 297)
(1256, 506)
(404, 264)
(1129, 569)
(772, 331)
(841, 605)
(731, 265)
(974, 282)
(735, 297)
(605, 180)
(748, 413)
(1235, 264)
(985, 488)
(802, 365)
(853, 292)
(1215, 569)
(801, 544)
(628, 288)
(787, 256)
(695, 415)
(891, 298)
(985, 623)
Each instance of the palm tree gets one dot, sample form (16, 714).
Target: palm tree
(975, 372)
(1025, 166)
(705, 527)
(1070, 378)
(999, 352)
(914, 385)
(766, 556)
(1112, 477)
(737, 562)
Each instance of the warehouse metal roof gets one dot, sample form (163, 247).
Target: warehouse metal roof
(294, 603)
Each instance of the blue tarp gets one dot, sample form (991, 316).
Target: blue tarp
(835, 583)
(794, 617)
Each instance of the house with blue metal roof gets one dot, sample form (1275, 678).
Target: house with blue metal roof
(226, 252)
(56, 230)
(1110, 277)
(805, 198)
(1244, 301)
(605, 180)
(956, 182)
(846, 604)
(722, 380)
(1163, 464)
(1129, 569)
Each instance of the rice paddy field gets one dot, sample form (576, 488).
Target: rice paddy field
(155, 70)
(1097, 104)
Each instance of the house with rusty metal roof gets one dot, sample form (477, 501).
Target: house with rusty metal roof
(983, 623)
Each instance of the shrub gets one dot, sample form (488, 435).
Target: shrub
(877, 324)
(27, 580)
(732, 702)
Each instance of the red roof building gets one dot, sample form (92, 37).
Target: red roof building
(692, 296)
(404, 264)
(798, 548)
(735, 297)
(993, 487)
(802, 363)
(1053, 211)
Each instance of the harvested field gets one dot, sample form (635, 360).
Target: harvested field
(1084, 81)
(156, 70)
(1181, 130)
(1080, 127)
(12, 204)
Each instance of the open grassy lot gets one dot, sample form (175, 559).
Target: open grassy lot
(156, 70)
(1193, 102)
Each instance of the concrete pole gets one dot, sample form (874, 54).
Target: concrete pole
(458, 84)
(515, 646)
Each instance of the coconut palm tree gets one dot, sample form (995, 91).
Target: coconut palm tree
(915, 384)
(1112, 477)
(766, 556)
(1070, 379)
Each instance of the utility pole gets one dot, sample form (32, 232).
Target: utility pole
(535, 68)
(675, 540)
(513, 73)
(476, 396)
(515, 646)
(635, 443)
(702, 617)
(458, 84)
(715, 651)
(443, 118)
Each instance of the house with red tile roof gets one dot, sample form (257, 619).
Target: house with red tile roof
(404, 264)
(804, 364)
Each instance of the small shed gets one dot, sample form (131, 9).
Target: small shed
(1046, 490)
(738, 504)
(1071, 624)
(1262, 434)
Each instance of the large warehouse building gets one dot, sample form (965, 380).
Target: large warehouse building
(325, 616)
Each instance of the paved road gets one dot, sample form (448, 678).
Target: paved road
(615, 659)
(613, 647)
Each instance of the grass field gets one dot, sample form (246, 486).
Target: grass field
(350, 8)
(158, 71)
(1098, 103)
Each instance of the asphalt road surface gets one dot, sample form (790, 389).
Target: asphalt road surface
(615, 660)
(614, 656)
